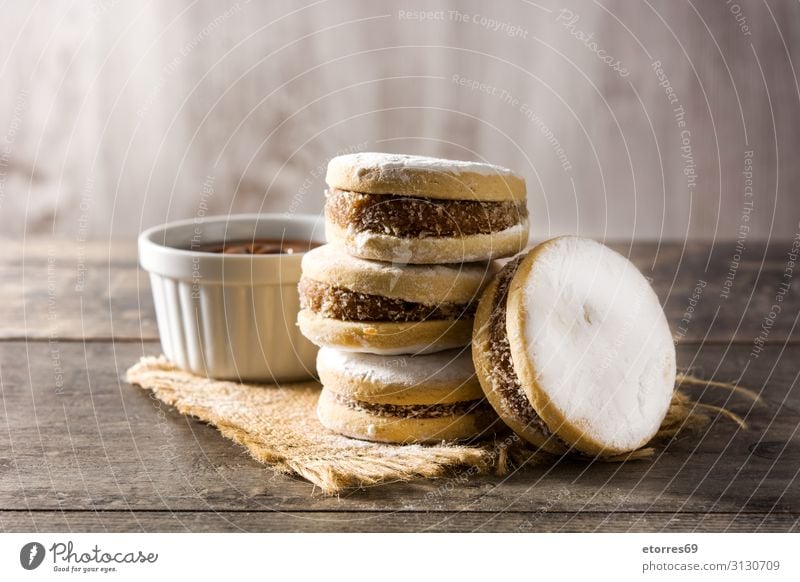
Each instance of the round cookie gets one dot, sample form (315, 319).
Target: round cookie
(383, 308)
(443, 378)
(406, 399)
(385, 338)
(408, 175)
(430, 250)
(419, 210)
(574, 351)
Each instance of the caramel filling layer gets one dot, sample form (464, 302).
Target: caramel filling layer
(503, 376)
(338, 303)
(416, 410)
(407, 216)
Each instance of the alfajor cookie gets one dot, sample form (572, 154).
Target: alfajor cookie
(573, 350)
(416, 209)
(402, 399)
(383, 308)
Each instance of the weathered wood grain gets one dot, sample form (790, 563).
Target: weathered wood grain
(96, 443)
(82, 450)
(68, 291)
(161, 98)
(325, 521)
(96, 291)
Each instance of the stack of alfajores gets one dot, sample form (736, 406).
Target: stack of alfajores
(391, 299)
(570, 343)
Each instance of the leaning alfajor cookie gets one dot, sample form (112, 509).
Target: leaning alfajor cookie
(383, 308)
(415, 209)
(402, 399)
(573, 350)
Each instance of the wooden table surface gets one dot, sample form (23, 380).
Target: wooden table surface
(82, 450)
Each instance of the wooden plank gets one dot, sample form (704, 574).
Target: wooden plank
(95, 442)
(723, 294)
(98, 291)
(233, 90)
(323, 521)
(68, 291)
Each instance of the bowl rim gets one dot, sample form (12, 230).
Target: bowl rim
(148, 244)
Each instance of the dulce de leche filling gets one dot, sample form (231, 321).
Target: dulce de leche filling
(408, 216)
(416, 410)
(343, 304)
(502, 374)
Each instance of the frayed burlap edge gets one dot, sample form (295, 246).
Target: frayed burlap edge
(278, 427)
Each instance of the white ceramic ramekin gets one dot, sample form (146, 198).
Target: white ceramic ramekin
(230, 316)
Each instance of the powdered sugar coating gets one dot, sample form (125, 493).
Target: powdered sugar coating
(598, 342)
(470, 248)
(367, 161)
(449, 367)
(426, 284)
(329, 254)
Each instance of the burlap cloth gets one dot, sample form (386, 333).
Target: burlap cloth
(279, 427)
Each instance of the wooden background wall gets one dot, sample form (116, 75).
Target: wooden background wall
(116, 115)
